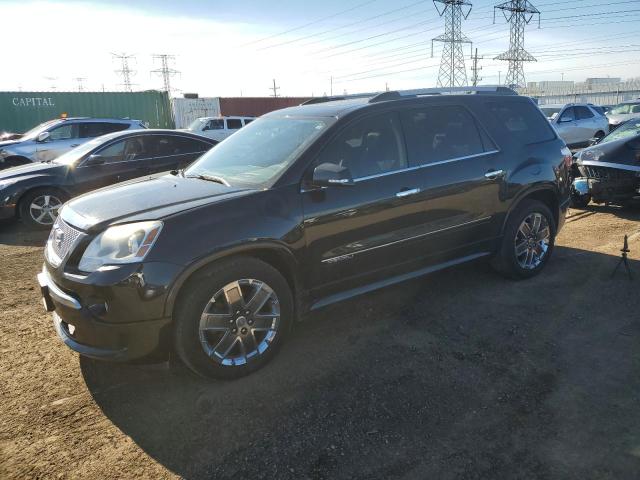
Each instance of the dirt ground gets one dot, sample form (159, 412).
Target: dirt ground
(459, 375)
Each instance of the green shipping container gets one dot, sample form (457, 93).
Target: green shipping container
(21, 111)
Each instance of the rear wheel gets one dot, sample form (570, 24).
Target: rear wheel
(599, 135)
(39, 208)
(233, 318)
(528, 241)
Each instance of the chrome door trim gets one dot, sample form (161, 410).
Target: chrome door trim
(407, 193)
(348, 256)
(492, 175)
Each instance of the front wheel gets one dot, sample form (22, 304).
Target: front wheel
(39, 208)
(528, 241)
(233, 318)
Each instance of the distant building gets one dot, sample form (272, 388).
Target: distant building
(590, 82)
(550, 85)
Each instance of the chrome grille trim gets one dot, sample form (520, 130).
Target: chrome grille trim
(58, 250)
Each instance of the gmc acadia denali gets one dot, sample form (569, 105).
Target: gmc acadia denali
(302, 208)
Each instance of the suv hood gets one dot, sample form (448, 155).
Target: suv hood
(150, 198)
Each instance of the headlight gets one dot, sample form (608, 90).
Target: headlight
(128, 243)
(591, 155)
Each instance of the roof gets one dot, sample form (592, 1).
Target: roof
(152, 131)
(337, 106)
(92, 119)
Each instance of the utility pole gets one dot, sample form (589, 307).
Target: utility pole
(125, 71)
(476, 69)
(275, 89)
(80, 81)
(52, 80)
(453, 72)
(331, 86)
(518, 13)
(165, 71)
(499, 77)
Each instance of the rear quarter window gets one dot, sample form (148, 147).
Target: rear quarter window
(523, 121)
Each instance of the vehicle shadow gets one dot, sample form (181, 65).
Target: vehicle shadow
(459, 374)
(627, 213)
(13, 232)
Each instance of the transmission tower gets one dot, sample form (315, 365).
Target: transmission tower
(518, 13)
(165, 71)
(52, 80)
(80, 81)
(452, 69)
(125, 71)
(475, 78)
(275, 89)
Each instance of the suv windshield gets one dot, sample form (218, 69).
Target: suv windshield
(197, 124)
(623, 108)
(260, 152)
(550, 112)
(35, 131)
(629, 129)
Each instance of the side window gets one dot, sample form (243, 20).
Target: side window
(67, 131)
(635, 109)
(113, 153)
(440, 133)
(234, 123)
(247, 121)
(97, 129)
(583, 113)
(185, 145)
(369, 147)
(523, 120)
(215, 124)
(568, 115)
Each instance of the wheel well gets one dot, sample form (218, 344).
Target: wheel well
(269, 256)
(549, 198)
(33, 189)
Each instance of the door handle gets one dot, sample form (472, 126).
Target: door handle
(407, 193)
(493, 174)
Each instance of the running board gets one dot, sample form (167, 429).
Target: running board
(339, 297)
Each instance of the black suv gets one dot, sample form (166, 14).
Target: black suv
(304, 207)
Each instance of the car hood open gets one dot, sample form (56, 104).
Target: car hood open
(149, 198)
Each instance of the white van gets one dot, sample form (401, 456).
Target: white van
(218, 128)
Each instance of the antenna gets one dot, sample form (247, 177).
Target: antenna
(453, 72)
(165, 71)
(125, 71)
(518, 13)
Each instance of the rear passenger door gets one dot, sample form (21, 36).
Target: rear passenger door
(586, 125)
(461, 172)
(567, 126)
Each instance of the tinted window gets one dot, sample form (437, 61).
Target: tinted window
(64, 132)
(583, 113)
(440, 133)
(598, 109)
(234, 123)
(523, 120)
(369, 147)
(124, 151)
(247, 121)
(216, 124)
(113, 153)
(97, 129)
(190, 145)
(167, 145)
(568, 115)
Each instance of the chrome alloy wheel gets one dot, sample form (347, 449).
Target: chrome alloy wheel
(44, 209)
(532, 241)
(240, 322)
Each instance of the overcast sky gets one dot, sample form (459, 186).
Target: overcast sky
(229, 48)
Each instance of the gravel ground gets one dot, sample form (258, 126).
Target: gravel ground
(458, 375)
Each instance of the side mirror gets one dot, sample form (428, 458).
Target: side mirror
(564, 120)
(95, 159)
(43, 137)
(330, 174)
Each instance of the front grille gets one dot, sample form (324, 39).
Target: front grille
(606, 173)
(63, 238)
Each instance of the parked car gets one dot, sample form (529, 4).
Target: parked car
(35, 192)
(305, 207)
(51, 139)
(609, 171)
(622, 112)
(577, 123)
(218, 128)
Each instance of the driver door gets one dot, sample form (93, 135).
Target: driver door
(61, 139)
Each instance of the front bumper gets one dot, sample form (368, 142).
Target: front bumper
(80, 327)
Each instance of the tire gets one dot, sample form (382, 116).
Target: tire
(580, 201)
(507, 261)
(253, 338)
(599, 135)
(49, 200)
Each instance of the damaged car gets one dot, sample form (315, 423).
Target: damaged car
(609, 171)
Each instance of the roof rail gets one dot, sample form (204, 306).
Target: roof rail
(398, 94)
(333, 98)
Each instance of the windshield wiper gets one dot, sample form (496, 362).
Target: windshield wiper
(211, 178)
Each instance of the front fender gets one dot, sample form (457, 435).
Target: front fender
(256, 248)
